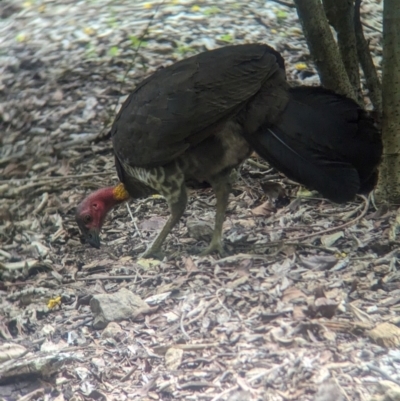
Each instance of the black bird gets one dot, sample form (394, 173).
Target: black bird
(201, 117)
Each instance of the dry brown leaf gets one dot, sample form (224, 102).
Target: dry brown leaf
(292, 293)
(11, 351)
(241, 280)
(326, 307)
(15, 170)
(272, 189)
(386, 334)
(298, 313)
(189, 265)
(265, 209)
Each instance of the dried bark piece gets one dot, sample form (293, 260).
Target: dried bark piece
(385, 334)
(173, 358)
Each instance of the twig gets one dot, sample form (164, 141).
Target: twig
(42, 204)
(182, 326)
(33, 395)
(239, 256)
(129, 374)
(222, 304)
(382, 373)
(284, 3)
(225, 392)
(321, 248)
(257, 164)
(342, 389)
(127, 277)
(372, 27)
(46, 180)
(328, 230)
(133, 221)
(292, 241)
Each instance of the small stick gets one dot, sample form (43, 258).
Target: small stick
(133, 221)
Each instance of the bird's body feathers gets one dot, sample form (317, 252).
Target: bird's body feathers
(201, 117)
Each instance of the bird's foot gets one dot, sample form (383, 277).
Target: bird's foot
(215, 246)
(151, 253)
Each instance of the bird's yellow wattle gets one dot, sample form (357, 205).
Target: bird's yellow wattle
(120, 193)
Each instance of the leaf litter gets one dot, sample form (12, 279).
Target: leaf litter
(305, 305)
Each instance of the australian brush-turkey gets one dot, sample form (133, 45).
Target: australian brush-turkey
(201, 117)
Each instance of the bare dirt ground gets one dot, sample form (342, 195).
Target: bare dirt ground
(295, 312)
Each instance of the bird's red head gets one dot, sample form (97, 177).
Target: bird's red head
(92, 211)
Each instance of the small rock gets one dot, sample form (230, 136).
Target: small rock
(200, 230)
(387, 391)
(240, 396)
(122, 305)
(326, 307)
(111, 331)
(329, 391)
(173, 358)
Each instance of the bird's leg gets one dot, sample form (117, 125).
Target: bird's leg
(222, 189)
(177, 205)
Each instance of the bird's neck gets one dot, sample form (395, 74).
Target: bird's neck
(112, 196)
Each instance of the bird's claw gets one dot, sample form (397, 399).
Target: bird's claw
(212, 248)
(152, 254)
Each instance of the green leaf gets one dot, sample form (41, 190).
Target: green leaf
(90, 51)
(212, 11)
(136, 42)
(112, 22)
(113, 51)
(281, 14)
(226, 38)
(182, 48)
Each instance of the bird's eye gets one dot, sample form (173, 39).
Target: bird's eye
(87, 218)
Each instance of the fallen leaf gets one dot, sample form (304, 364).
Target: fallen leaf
(292, 293)
(329, 239)
(190, 266)
(326, 307)
(386, 335)
(173, 358)
(148, 263)
(265, 209)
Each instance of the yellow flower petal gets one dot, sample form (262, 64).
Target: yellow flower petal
(301, 66)
(21, 37)
(148, 263)
(88, 31)
(54, 302)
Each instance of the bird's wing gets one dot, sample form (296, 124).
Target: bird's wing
(179, 105)
(337, 130)
(322, 140)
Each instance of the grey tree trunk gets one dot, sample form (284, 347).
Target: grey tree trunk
(389, 179)
(340, 15)
(323, 47)
(364, 55)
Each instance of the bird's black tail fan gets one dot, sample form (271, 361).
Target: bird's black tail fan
(324, 141)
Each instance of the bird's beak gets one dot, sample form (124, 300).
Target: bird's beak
(93, 237)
